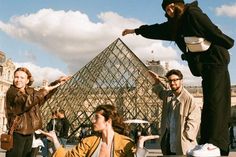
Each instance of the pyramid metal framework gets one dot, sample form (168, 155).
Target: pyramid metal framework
(116, 76)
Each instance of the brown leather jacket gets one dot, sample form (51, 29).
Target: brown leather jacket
(26, 106)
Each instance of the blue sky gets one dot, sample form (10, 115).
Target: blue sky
(58, 37)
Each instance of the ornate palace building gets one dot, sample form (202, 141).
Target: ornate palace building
(6, 75)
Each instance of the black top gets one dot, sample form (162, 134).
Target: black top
(192, 23)
(65, 125)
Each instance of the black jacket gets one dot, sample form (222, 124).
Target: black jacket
(65, 125)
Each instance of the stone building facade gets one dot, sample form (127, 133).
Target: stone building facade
(7, 68)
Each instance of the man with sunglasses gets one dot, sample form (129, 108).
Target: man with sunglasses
(181, 116)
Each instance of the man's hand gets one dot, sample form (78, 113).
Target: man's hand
(154, 76)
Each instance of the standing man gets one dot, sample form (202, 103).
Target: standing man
(53, 125)
(65, 125)
(181, 116)
(205, 47)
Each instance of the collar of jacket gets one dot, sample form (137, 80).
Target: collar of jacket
(118, 143)
(15, 91)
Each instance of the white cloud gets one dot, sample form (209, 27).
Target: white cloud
(29, 56)
(228, 10)
(41, 73)
(75, 39)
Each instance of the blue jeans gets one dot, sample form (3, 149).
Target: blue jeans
(45, 148)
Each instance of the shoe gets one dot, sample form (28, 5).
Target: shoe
(190, 151)
(207, 150)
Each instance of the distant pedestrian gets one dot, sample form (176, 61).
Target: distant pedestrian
(232, 131)
(53, 125)
(65, 126)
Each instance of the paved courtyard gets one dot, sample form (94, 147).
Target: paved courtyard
(153, 153)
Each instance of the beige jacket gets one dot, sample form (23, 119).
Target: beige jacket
(188, 121)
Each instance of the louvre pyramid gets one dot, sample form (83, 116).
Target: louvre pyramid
(116, 76)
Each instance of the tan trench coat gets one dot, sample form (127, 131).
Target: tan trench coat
(188, 122)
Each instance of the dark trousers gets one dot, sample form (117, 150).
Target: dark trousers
(216, 107)
(22, 145)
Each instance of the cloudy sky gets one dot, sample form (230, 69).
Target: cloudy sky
(58, 37)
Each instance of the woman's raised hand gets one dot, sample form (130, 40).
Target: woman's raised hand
(63, 79)
(128, 31)
(154, 76)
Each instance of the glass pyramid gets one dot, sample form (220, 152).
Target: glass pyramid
(116, 76)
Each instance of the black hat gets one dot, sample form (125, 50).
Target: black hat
(167, 2)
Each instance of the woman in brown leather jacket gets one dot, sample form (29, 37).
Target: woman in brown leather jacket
(23, 102)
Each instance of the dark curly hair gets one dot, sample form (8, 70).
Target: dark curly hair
(175, 72)
(110, 112)
(29, 75)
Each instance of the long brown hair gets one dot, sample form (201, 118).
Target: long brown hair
(179, 9)
(110, 112)
(28, 73)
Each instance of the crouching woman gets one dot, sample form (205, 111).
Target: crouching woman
(108, 143)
